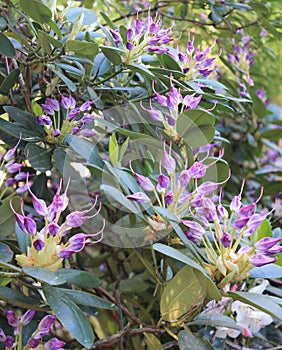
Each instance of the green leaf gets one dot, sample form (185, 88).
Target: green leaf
(141, 69)
(119, 197)
(83, 48)
(113, 150)
(266, 271)
(112, 54)
(16, 298)
(133, 285)
(50, 39)
(89, 17)
(87, 299)
(39, 158)
(82, 279)
(25, 120)
(65, 79)
(6, 253)
(36, 10)
(189, 341)
(6, 47)
(261, 302)
(215, 320)
(69, 315)
(9, 81)
(7, 217)
(182, 294)
(169, 62)
(152, 342)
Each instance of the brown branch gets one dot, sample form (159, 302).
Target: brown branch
(128, 332)
(103, 292)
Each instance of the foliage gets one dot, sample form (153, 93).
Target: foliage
(145, 112)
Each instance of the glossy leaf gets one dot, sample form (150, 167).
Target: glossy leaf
(83, 48)
(9, 81)
(87, 299)
(89, 17)
(112, 54)
(16, 298)
(189, 341)
(39, 158)
(6, 47)
(82, 279)
(36, 10)
(215, 320)
(266, 271)
(7, 217)
(152, 342)
(6, 253)
(69, 315)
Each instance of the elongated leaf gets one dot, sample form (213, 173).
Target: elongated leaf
(7, 217)
(266, 271)
(112, 54)
(87, 299)
(83, 48)
(261, 302)
(9, 81)
(6, 47)
(89, 17)
(65, 79)
(69, 315)
(82, 279)
(215, 320)
(16, 298)
(39, 158)
(153, 343)
(140, 69)
(189, 341)
(36, 10)
(6, 253)
(169, 62)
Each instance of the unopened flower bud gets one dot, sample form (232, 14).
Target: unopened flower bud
(139, 197)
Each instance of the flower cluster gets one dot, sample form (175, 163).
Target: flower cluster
(243, 58)
(35, 341)
(74, 118)
(174, 104)
(11, 173)
(143, 34)
(46, 247)
(195, 62)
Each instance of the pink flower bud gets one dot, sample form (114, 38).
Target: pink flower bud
(226, 240)
(163, 181)
(184, 178)
(169, 163)
(139, 197)
(12, 318)
(145, 183)
(27, 317)
(44, 326)
(54, 344)
(261, 260)
(169, 197)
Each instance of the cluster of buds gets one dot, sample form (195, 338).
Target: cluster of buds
(195, 62)
(230, 258)
(11, 171)
(243, 58)
(74, 118)
(172, 190)
(175, 104)
(36, 339)
(143, 35)
(46, 247)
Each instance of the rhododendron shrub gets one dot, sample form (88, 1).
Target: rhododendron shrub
(140, 174)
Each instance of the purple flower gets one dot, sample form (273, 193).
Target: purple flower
(207, 187)
(39, 205)
(78, 218)
(26, 224)
(184, 178)
(221, 211)
(2, 335)
(236, 203)
(76, 244)
(145, 183)
(73, 113)
(169, 163)
(129, 45)
(27, 317)
(197, 170)
(10, 182)
(54, 344)
(163, 181)
(226, 240)
(139, 197)
(190, 47)
(75, 130)
(169, 197)
(48, 109)
(85, 106)
(68, 102)
(22, 176)
(241, 222)
(12, 318)
(33, 343)
(246, 210)
(38, 244)
(9, 342)
(138, 25)
(53, 228)
(116, 35)
(191, 102)
(56, 132)
(266, 243)
(43, 120)
(54, 104)
(195, 231)
(13, 167)
(44, 326)
(261, 260)
(11, 152)
(130, 33)
(59, 203)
